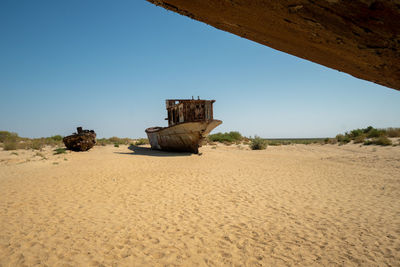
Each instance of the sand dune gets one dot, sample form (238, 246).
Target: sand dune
(287, 205)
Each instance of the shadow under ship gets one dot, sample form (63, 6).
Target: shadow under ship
(189, 123)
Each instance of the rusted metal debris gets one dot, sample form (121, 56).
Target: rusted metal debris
(189, 123)
(83, 140)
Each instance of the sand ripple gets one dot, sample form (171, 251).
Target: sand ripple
(293, 205)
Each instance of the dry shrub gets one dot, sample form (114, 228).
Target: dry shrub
(359, 139)
(36, 144)
(332, 141)
(10, 145)
(393, 132)
(343, 139)
(258, 143)
(380, 141)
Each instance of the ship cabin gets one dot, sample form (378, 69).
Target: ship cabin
(189, 110)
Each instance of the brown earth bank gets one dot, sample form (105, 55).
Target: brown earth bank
(286, 205)
(359, 37)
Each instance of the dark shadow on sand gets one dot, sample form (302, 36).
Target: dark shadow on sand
(146, 151)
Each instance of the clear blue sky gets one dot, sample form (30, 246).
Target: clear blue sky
(109, 66)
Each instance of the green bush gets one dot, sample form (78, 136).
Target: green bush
(10, 145)
(359, 139)
(368, 142)
(343, 139)
(8, 136)
(373, 133)
(380, 141)
(339, 137)
(116, 145)
(230, 137)
(359, 135)
(355, 133)
(60, 150)
(258, 143)
(383, 141)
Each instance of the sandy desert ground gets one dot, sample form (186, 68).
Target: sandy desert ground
(288, 205)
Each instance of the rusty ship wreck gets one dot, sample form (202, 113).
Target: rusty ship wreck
(189, 123)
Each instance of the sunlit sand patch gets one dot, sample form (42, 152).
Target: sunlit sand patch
(294, 205)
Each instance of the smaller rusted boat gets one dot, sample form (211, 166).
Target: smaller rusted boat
(189, 123)
(83, 140)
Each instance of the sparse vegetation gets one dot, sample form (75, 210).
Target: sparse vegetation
(231, 137)
(113, 141)
(380, 141)
(56, 138)
(359, 139)
(343, 139)
(257, 143)
(11, 141)
(119, 141)
(8, 136)
(331, 141)
(303, 141)
(142, 141)
(40, 155)
(60, 150)
(369, 136)
(366, 136)
(36, 144)
(10, 145)
(246, 140)
(102, 142)
(273, 143)
(393, 132)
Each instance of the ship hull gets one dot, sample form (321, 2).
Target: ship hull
(183, 137)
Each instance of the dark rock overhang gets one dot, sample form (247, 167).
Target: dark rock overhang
(359, 37)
